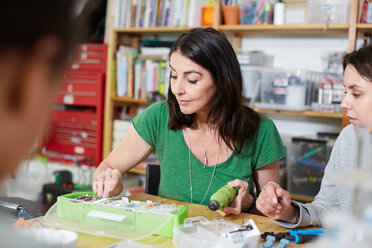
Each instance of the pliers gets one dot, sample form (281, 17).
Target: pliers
(297, 236)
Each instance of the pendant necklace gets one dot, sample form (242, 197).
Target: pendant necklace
(214, 170)
(205, 150)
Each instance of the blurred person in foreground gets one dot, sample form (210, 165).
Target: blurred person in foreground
(35, 41)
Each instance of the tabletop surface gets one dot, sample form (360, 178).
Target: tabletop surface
(264, 224)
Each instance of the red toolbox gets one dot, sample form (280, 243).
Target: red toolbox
(80, 88)
(76, 125)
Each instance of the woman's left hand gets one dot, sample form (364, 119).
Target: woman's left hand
(242, 201)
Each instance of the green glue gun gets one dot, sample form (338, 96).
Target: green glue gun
(222, 198)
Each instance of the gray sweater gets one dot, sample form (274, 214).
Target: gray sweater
(331, 197)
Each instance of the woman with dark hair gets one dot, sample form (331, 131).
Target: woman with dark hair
(203, 135)
(332, 197)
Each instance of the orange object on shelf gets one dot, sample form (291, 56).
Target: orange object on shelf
(231, 14)
(207, 15)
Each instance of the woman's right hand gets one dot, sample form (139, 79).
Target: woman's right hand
(275, 202)
(108, 183)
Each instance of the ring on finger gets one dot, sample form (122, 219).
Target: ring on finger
(263, 190)
(272, 182)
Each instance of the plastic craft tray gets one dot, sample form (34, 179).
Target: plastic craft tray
(198, 232)
(116, 222)
(203, 233)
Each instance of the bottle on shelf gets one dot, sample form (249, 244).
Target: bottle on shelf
(279, 13)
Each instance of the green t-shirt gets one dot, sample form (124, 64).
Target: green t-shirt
(173, 155)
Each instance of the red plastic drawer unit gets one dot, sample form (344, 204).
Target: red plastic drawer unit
(75, 134)
(74, 141)
(91, 48)
(75, 126)
(74, 66)
(76, 86)
(76, 99)
(84, 89)
(84, 134)
(89, 56)
(90, 154)
(75, 117)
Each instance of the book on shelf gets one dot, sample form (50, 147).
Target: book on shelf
(156, 13)
(124, 65)
(137, 75)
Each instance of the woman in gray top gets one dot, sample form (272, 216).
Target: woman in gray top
(276, 203)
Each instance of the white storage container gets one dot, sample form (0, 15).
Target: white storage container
(287, 89)
(199, 232)
(252, 81)
(329, 11)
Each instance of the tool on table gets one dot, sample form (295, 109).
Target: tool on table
(297, 236)
(283, 243)
(269, 243)
(222, 198)
(20, 210)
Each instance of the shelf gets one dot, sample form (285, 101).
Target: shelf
(152, 30)
(128, 100)
(309, 29)
(141, 167)
(140, 171)
(302, 198)
(268, 28)
(364, 27)
(301, 113)
(298, 27)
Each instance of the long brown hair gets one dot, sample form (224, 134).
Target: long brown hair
(211, 50)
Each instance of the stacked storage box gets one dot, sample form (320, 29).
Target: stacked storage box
(76, 126)
(307, 159)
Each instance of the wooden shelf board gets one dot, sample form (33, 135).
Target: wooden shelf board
(138, 171)
(364, 27)
(271, 27)
(129, 100)
(302, 198)
(302, 113)
(141, 167)
(300, 28)
(152, 29)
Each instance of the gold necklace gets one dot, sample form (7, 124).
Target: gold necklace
(214, 170)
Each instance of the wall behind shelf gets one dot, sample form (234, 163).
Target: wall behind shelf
(296, 52)
(295, 125)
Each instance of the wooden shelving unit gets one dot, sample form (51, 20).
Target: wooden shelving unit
(138, 171)
(288, 29)
(302, 198)
(364, 27)
(300, 113)
(128, 100)
(152, 30)
(350, 30)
